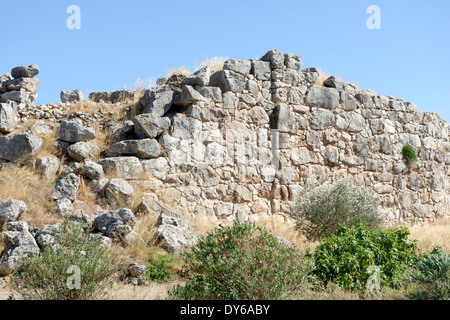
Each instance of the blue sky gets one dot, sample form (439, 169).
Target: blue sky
(122, 41)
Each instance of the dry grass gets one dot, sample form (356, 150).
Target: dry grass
(215, 64)
(287, 230)
(154, 291)
(22, 183)
(322, 77)
(431, 235)
(180, 71)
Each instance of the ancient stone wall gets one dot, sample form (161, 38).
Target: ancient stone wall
(243, 141)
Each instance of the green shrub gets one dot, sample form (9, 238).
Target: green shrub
(240, 262)
(53, 274)
(410, 154)
(158, 270)
(432, 278)
(350, 258)
(322, 209)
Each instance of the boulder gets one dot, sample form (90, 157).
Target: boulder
(322, 97)
(129, 168)
(144, 149)
(200, 77)
(20, 147)
(25, 84)
(188, 96)
(64, 207)
(228, 80)
(160, 103)
(275, 57)
(284, 119)
(240, 66)
(20, 245)
(119, 193)
(115, 224)
(11, 210)
(350, 121)
(150, 126)
(82, 150)
(92, 170)
(261, 70)
(292, 61)
(173, 234)
(71, 96)
(7, 118)
(321, 119)
(29, 71)
(66, 187)
(75, 131)
(47, 166)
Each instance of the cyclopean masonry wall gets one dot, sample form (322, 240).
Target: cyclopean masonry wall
(243, 141)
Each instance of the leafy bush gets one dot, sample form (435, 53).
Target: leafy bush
(158, 270)
(410, 154)
(432, 278)
(322, 209)
(240, 262)
(350, 258)
(53, 274)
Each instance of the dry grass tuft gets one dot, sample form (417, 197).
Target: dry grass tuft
(22, 183)
(287, 230)
(322, 77)
(215, 64)
(180, 71)
(431, 235)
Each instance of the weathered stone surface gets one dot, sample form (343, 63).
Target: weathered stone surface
(20, 147)
(64, 207)
(20, 245)
(199, 77)
(160, 103)
(29, 71)
(92, 169)
(188, 96)
(350, 121)
(240, 66)
(26, 84)
(123, 167)
(292, 61)
(145, 148)
(115, 224)
(47, 236)
(261, 70)
(321, 119)
(71, 96)
(82, 150)
(284, 119)
(7, 118)
(150, 126)
(66, 187)
(185, 127)
(47, 166)
(75, 131)
(322, 97)
(119, 193)
(275, 57)
(11, 210)
(173, 234)
(228, 80)
(334, 82)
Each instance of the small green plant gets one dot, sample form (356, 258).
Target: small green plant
(356, 254)
(241, 262)
(432, 278)
(322, 209)
(76, 268)
(158, 270)
(409, 154)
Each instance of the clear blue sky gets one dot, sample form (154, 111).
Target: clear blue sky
(121, 41)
